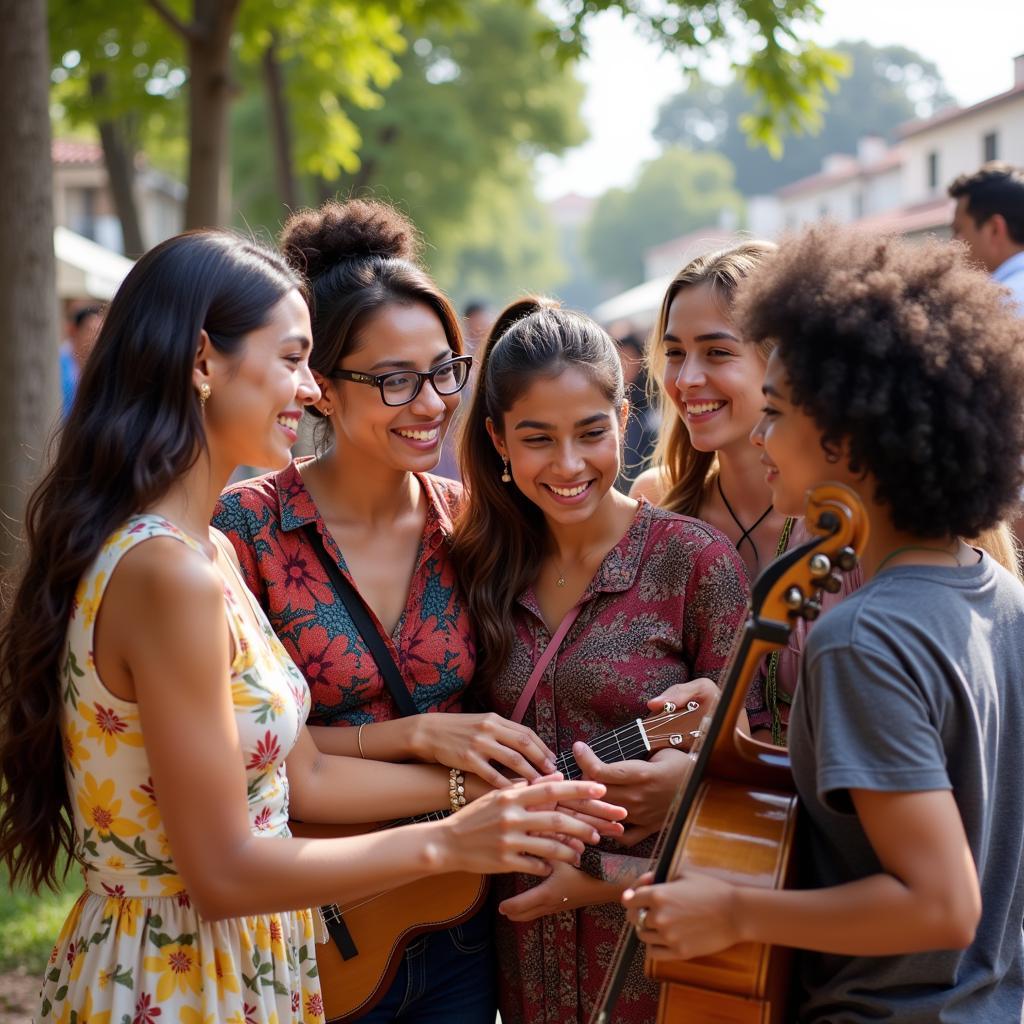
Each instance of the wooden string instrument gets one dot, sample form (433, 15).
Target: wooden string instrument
(369, 935)
(735, 816)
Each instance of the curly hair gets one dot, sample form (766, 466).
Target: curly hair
(908, 356)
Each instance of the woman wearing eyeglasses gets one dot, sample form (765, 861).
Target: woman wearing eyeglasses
(388, 358)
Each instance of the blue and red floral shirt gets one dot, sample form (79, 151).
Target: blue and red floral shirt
(433, 642)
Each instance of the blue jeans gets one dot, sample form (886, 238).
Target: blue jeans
(445, 978)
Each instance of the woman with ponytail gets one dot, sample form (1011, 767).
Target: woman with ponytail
(622, 598)
(387, 354)
(147, 711)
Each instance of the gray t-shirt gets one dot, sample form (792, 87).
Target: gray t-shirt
(916, 682)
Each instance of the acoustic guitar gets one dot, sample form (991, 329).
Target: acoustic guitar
(369, 935)
(735, 816)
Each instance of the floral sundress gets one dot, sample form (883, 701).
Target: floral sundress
(134, 950)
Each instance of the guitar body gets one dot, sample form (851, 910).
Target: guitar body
(745, 835)
(360, 960)
(381, 926)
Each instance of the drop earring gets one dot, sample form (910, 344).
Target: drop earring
(205, 391)
(506, 477)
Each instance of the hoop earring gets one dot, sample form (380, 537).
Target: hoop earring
(506, 477)
(205, 391)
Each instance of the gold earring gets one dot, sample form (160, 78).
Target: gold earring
(506, 477)
(204, 393)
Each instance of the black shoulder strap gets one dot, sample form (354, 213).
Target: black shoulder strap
(367, 630)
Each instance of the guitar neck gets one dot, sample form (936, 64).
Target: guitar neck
(626, 743)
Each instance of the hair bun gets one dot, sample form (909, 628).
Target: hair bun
(316, 240)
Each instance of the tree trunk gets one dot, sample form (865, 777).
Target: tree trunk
(280, 128)
(210, 93)
(119, 157)
(28, 303)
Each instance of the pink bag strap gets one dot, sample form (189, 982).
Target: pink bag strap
(542, 663)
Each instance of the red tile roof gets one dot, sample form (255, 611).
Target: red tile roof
(854, 169)
(933, 215)
(70, 151)
(953, 113)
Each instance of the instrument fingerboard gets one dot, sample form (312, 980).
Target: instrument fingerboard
(622, 744)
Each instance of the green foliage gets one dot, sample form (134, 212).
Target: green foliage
(785, 75)
(342, 52)
(29, 924)
(452, 143)
(885, 87)
(455, 138)
(677, 192)
(338, 54)
(138, 64)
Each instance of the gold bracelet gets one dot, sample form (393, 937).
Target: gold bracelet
(456, 789)
(359, 739)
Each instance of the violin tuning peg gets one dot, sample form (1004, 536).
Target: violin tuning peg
(676, 739)
(794, 599)
(847, 559)
(820, 566)
(811, 609)
(833, 584)
(669, 707)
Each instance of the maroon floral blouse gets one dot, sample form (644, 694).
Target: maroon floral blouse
(664, 607)
(433, 642)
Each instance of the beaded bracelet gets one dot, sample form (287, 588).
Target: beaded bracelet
(456, 789)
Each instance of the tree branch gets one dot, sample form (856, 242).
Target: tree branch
(187, 32)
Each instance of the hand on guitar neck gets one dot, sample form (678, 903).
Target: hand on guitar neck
(646, 787)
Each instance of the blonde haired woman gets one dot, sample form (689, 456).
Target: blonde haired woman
(709, 379)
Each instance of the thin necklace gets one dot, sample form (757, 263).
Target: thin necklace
(745, 531)
(561, 581)
(919, 547)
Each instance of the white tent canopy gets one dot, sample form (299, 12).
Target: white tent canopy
(639, 305)
(85, 269)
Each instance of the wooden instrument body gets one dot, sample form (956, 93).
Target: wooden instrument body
(741, 822)
(382, 925)
(743, 834)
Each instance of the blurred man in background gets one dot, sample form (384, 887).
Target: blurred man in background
(82, 330)
(989, 218)
(641, 432)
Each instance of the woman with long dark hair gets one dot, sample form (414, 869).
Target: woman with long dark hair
(898, 371)
(148, 710)
(621, 598)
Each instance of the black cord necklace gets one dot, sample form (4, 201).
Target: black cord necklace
(745, 531)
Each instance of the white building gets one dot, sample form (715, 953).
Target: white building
(903, 189)
(848, 188)
(83, 204)
(899, 189)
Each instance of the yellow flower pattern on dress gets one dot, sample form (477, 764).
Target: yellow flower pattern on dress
(133, 949)
(74, 751)
(106, 725)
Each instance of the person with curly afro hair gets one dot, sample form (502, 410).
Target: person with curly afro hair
(898, 370)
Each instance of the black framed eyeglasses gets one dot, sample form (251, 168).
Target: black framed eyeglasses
(400, 387)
